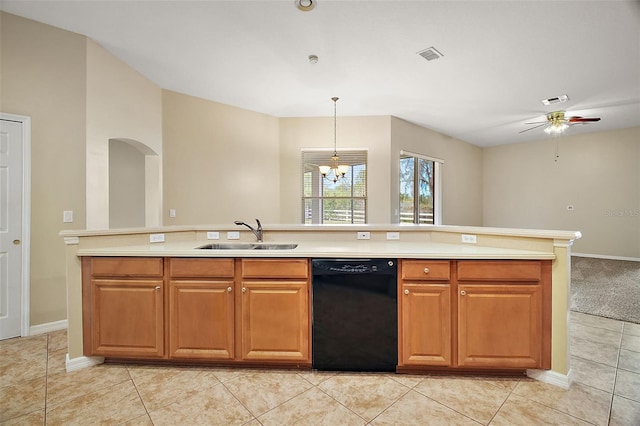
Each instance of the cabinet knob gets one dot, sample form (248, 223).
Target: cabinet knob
(406, 292)
(229, 289)
(462, 292)
(426, 270)
(244, 289)
(157, 287)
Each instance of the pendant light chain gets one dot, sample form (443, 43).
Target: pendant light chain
(337, 170)
(335, 126)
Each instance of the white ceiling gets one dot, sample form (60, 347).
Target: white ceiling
(501, 58)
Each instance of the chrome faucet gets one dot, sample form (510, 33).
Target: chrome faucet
(256, 232)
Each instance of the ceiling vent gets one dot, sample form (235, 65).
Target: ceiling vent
(556, 100)
(430, 54)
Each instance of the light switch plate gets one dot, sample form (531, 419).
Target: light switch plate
(172, 212)
(67, 216)
(156, 238)
(233, 235)
(393, 235)
(213, 235)
(469, 238)
(363, 235)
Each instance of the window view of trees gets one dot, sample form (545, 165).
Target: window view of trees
(417, 186)
(344, 201)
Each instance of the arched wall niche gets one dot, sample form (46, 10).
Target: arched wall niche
(134, 184)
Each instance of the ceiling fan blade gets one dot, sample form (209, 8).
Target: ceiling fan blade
(534, 127)
(582, 119)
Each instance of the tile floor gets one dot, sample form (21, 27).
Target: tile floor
(36, 389)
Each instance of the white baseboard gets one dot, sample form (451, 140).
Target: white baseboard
(553, 378)
(82, 362)
(48, 327)
(602, 256)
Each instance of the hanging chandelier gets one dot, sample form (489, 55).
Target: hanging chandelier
(334, 171)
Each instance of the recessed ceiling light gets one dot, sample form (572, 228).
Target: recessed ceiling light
(555, 100)
(305, 5)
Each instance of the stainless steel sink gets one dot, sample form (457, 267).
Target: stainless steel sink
(248, 246)
(274, 246)
(228, 246)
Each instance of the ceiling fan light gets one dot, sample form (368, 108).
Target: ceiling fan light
(324, 170)
(343, 169)
(556, 129)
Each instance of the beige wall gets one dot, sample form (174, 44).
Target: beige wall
(597, 173)
(461, 172)
(121, 104)
(78, 97)
(221, 163)
(126, 185)
(372, 133)
(43, 76)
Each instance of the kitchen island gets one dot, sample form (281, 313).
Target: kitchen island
(459, 288)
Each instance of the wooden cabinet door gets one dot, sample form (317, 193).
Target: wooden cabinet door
(201, 319)
(499, 326)
(127, 318)
(425, 335)
(275, 321)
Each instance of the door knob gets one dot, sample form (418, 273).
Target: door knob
(16, 242)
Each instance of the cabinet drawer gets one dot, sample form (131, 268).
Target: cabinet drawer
(426, 270)
(200, 268)
(275, 268)
(126, 266)
(499, 270)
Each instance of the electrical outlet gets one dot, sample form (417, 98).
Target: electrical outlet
(570, 207)
(67, 216)
(172, 212)
(364, 235)
(156, 238)
(233, 235)
(469, 238)
(393, 235)
(213, 235)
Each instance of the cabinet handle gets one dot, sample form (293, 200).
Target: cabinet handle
(157, 287)
(244, 289)
(462, 292)
(426, 270)
(406, 292)
(229, 289)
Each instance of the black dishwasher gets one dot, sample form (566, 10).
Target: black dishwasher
(355, 319)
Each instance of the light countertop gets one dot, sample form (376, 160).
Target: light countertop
(342, 249)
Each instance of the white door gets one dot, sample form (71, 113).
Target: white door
(11, 187)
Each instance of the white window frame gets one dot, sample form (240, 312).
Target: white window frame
(437, 176)
(349, 155)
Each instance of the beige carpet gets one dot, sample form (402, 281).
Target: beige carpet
(606, 288)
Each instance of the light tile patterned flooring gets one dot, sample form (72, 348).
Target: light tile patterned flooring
(35, 389)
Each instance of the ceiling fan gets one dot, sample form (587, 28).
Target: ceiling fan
(557, 122)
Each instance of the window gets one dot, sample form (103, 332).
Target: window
(344, 201)
(419, 189)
